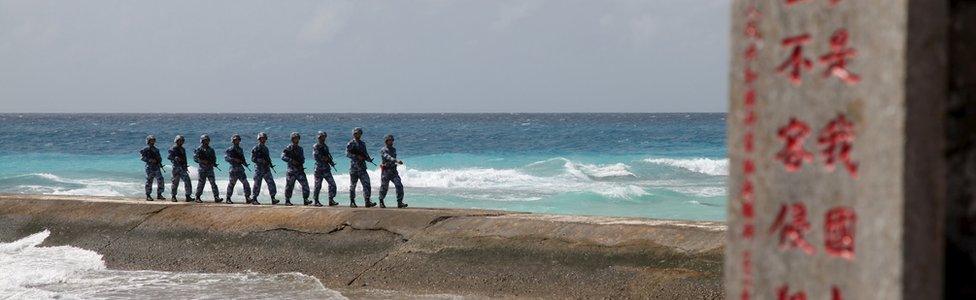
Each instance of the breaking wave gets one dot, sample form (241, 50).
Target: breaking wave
(708, 166)
(65, 272)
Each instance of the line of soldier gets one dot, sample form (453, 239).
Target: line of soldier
(293, 155)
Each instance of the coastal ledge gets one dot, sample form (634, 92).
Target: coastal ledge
(416, 250)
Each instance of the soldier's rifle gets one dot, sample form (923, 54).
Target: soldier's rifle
(365, 156)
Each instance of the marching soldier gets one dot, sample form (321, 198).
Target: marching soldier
(295, 157)
(154, 166)
(358, 156)
(323, 169)
(388, 172)
(235, 156)
(262, 169)
(207, 161)
(177, 156)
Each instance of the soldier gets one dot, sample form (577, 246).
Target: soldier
(358, 156)
(323, 169)
(235, 156)
(177, 155)
(262, 165)
(154, 166)
(388, 172)
(207, 160)
(295, 157)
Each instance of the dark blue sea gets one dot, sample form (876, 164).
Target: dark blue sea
(670, 166)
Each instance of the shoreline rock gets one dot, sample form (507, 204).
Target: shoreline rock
(416, 250)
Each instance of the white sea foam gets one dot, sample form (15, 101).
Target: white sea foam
(708, 166)
(64, 272)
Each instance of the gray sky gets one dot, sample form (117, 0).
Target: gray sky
(364, 56)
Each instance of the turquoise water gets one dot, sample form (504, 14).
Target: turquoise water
(645, 165)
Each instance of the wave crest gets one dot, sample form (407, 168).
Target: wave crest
(707, 166)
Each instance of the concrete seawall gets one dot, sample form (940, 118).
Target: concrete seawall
(420, 251)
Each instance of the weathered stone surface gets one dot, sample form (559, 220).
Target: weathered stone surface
(894, 188)
(421, 251)
(961, 154)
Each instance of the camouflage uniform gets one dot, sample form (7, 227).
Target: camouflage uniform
(389, 174)
(323, 170)
(177, 156)
(235, 156)
(294, 155)
(206, 170)
(153, 170)
(357, 168)
(262, 170)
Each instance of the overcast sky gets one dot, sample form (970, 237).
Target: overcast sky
(364, 56)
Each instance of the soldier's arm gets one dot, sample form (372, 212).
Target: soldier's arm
(350, 153)
(284, 156)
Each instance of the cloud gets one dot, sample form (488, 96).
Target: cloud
(327, 22)
(511, 12)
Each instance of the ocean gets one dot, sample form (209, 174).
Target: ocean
(658, 165)
(669, 166)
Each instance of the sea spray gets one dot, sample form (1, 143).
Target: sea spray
(28, 271)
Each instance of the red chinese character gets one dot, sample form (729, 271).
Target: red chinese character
(836, 141)
(835, 293)
(836, 59)
(783, 293)
(793, 155)
(749, 75)
(792, 231)
(751, 52)
(796, 63)
(839, 227)
(791, 2)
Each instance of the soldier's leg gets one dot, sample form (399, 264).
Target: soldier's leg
(174, 182)
(353, 177)
(213, 187)
(384, 186)
(272, 186)
(289, 186)
(187, 185)
(257, 185)
(160, 184)
(317, 182)
(201, 182)
(303, 180)
(367, 189)
(399, 187)
(246, 186)
(366, 186)
(332, 185)
(230, 186)
(149, 182)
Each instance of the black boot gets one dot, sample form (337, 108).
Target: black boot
(274, 201)
(382, 205)
(198, 200)
(149, 197)
(352, 203)
(400, 204)
(254, 201)
(188, 199)
(370, 203)
(306, 202)
(217, 199)
(317, 203)
(160, 197)
(333, 203)
(228, 200)
(173, 198)
(288, 202)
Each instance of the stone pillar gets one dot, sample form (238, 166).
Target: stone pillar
(960, 276)
(836, 144)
